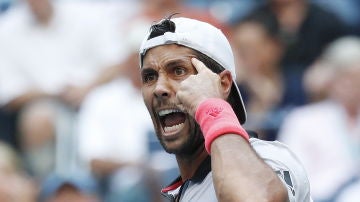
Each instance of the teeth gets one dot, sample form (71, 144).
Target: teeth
(167, 111)
(169, 129)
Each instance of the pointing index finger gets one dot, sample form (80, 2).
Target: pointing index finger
(199, 66)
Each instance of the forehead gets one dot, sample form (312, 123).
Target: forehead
(249, 31)
(166, 53)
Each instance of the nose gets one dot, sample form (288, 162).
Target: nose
(162, 88)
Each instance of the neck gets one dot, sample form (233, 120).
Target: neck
(189, 164)
(43, 15)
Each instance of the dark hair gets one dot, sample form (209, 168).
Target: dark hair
(268, 22)
(165, 25)
(217, 68)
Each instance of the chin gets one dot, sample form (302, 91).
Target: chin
(185, 146)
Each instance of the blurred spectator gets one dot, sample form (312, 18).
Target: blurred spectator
(106, 129)
(51, 57)
(255, 39)
(306, 29)
(15, 185)
(49, 51)
(114, 127)
(75, 186)
(326, 135)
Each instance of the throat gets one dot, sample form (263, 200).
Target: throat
(189, 165)
(174, 119)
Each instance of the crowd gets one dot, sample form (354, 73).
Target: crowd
(73, 125)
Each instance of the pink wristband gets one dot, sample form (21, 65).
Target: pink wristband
(216, 117)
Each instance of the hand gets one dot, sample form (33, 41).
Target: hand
(197, 88)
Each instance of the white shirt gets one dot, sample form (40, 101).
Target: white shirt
(114, 124)
(277, 155)
(71, 50)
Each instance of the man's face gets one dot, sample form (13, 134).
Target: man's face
(257, 51)
(164, 68)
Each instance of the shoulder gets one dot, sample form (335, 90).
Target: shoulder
(286, 165)
(276, 154)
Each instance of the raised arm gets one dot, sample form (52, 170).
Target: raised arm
(238, 173)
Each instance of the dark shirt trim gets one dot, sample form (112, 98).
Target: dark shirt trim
(173, 185)
(199, 176)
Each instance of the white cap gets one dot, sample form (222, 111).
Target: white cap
(208, 40)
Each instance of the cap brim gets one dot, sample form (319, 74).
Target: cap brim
(237, 103)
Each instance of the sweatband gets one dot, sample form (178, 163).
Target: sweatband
(216, 117)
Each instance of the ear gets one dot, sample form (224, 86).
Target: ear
(226, 82)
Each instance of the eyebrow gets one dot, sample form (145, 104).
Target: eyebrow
(146, 70)
(176, 63)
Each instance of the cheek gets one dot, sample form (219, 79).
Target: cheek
(146, 94)
(147, 98)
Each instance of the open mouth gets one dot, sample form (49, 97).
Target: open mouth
(172, 120)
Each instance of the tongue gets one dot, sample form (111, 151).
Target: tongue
(174, 119)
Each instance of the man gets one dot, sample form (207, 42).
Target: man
(197, 115)
(49, 62)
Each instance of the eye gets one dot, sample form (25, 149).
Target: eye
(149, 76)
(179, 71)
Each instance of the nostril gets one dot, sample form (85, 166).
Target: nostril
(161, 95)
(161, 91)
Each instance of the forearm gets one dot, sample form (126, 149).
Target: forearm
(25, 98)
(240, 175)
(106, 75)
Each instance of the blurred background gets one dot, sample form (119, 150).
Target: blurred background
(73, 126)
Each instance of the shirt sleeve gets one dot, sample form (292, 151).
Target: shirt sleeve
(287, 166)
